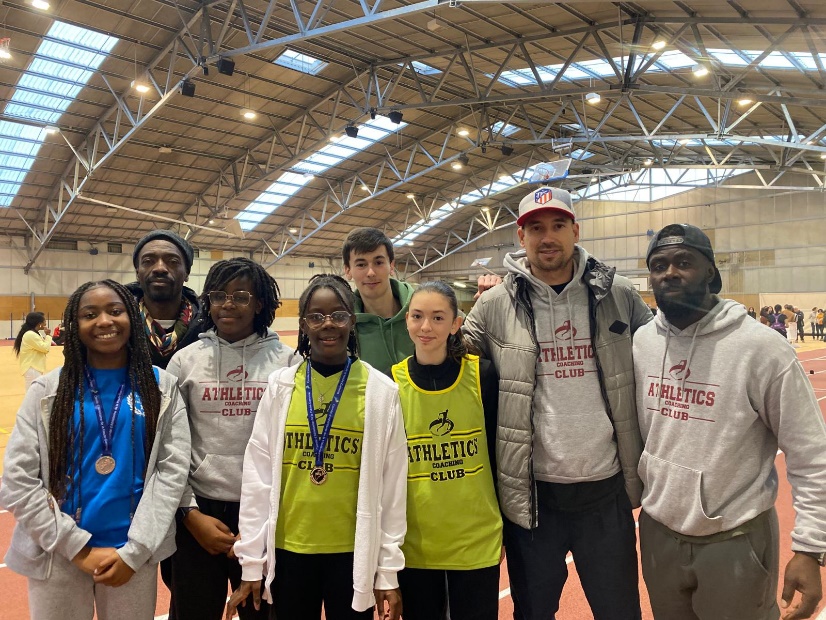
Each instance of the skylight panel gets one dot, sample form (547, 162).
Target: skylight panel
(731, 58)
(581, 154)
(300, 62)
(505, 129)
(422, 68)
(597, 66)
(674, 59)
(289, 183)
(63, 63)
(776, 60)
(655, 184)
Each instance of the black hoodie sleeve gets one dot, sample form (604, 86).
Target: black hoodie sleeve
(490, 404)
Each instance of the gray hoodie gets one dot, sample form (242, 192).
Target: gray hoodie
(715, 401)
(221, 383)
(573, 437)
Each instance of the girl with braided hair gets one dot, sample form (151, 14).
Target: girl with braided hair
(323, 491)
(95, 467)
(450, 402)
(221, 378)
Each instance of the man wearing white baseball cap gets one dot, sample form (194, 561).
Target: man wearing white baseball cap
(558, 329)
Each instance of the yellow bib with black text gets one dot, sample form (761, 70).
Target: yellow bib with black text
(322, 518)
(453, 518)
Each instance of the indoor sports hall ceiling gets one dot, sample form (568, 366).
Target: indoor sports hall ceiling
(642, 96)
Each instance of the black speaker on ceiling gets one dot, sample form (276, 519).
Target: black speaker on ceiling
(226, 66)
(188, 88)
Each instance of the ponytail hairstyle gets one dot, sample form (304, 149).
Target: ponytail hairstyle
(72, 385)
(342, 289)
(457, 346)
(33, 319)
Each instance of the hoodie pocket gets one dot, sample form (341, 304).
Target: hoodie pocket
(219, 476)
(673, 495)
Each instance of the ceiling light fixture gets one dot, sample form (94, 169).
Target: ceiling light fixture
(334, 138)
(458, 284)
(593, 98)
(700, 70)
(352, 131)
(460, 162)
(486, 209)
(293, 231)
(248, 114)
(5, 54)
(211, 220)
(51, 130)
(395, 117)
(684, 141)
(504, 177)
(364, 188)
(464, 132)
(658, 44)
(744, 101)
(823, 156)
(410, 196)
(648, 162)
(40, 4)
(141, 87)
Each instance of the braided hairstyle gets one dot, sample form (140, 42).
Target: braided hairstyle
(72, 386)
(265, 289)
(457, 346)
(33, 319)
(342, 289)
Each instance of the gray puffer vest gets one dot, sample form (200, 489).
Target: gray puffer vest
(502, 326)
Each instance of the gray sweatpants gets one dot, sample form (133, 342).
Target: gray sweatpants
(733, 579)
(71, 594)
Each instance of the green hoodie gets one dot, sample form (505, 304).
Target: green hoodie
(384, 342)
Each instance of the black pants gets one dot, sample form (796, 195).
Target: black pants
(468, 594)
(303, 581)
(603, 543)
(199, 580)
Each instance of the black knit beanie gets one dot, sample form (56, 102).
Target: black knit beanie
(166, 235)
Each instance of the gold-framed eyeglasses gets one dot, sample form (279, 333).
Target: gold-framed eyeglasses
(339, 318)
(239, 298)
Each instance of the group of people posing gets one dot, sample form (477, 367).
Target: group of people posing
(391, 461)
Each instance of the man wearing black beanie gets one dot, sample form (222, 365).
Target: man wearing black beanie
(170, 311)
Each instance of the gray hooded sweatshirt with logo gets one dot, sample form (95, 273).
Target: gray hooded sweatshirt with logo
(222, 383)
(715, 402)
(573, 437)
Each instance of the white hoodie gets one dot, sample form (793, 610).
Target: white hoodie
(222, 383)
(715, 401)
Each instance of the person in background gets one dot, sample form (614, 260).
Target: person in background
(791, 323)
(717, 396)
(59, 335)
(381, 301)
(450, 401)
(323, 492)
(222, 378)
(751, 312)
(801, 336)
(813, 322)
(31, 347)
(820, 322)
(95, 468)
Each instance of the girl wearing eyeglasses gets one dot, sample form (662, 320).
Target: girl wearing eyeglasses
(222, 378)
(323, 493)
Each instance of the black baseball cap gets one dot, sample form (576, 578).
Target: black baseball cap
(690, 237)
(166, 235)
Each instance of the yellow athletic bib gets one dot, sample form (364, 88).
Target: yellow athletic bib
(322, 518)
(453, 518)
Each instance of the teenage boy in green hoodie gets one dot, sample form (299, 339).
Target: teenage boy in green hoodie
(381, 301)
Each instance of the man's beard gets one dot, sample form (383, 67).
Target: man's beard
(688, 303)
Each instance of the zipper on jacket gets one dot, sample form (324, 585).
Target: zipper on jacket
(523, 300)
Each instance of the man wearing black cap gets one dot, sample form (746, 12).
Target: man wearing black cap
(717, 394)
(170, 311)
(558, 330)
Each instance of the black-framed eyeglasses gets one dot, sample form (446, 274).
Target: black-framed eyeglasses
(339, 318)
(239, 298)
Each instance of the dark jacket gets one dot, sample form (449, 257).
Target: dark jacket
(196, 324)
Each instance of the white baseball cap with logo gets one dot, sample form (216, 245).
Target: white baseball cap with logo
(546, 199)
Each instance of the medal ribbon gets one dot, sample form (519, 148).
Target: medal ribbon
(106, 432)
(320, 442)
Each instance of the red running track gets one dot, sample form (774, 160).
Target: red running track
(573, 605)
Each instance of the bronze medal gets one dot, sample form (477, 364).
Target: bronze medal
(318, 475)
(105, 465)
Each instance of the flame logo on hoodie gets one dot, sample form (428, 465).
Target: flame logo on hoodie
(563, 330)
(237, 374)
(680, 371)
